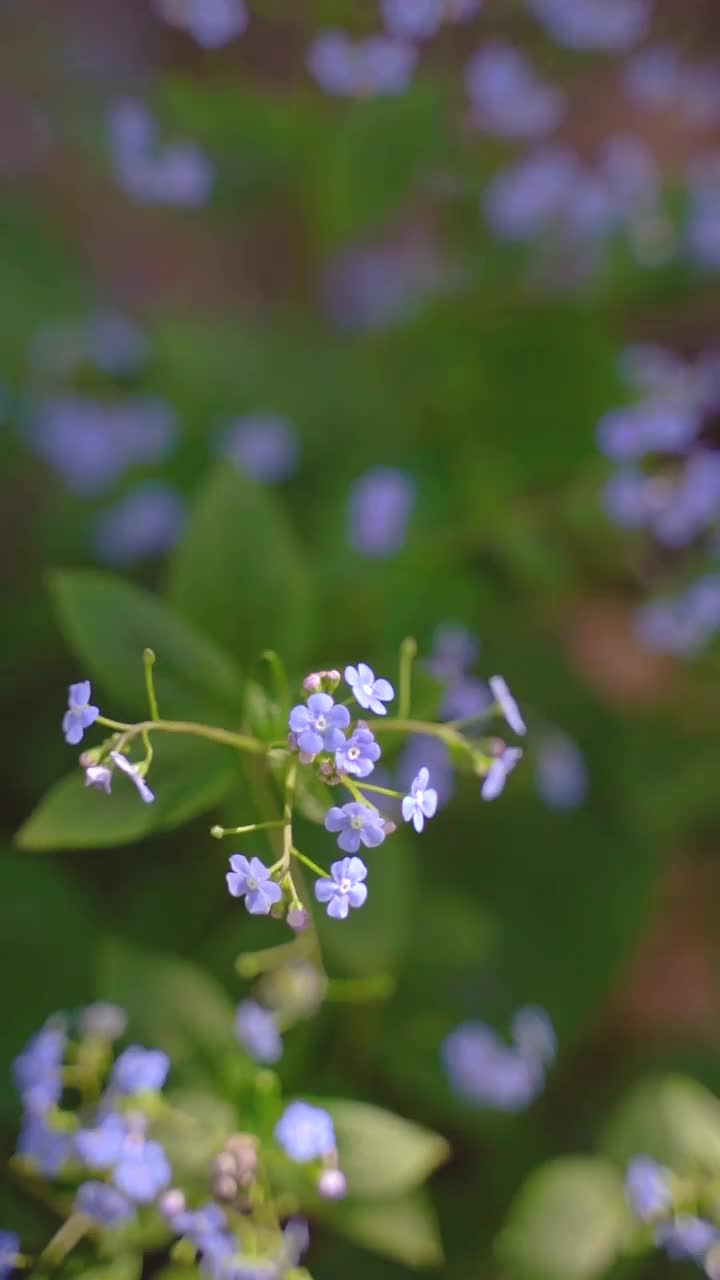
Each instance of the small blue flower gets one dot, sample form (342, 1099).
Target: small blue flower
(256, 1030)
(686, 1237)
(102, 1147)
(422, 801)
(139, 1069)
(9, 1248)
(345, 890)
(305, 1132)
(142, 1170)
(100, 777)
(80, 714)
(486, 1072)
(319, 725)
(103, 1204)
(498, 772)
(506, 97)
(146, 521)
(200, 1225)
(560, 772)
(507, 704)
(250, 879)
(36, 1071)
(381, 500)
(133, 772)
(264, 447)
(534, 1035)
(47, 1148)
(357, 824)
(647, 1188)
(412, 19)
(368, 692)
(359, 754)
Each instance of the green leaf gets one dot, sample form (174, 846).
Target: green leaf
(238, 573)
(188, 778)
(673, 1119)
(404, 1228)
(381, 1153)
(108, 622)
(171, 1003)
(568, 1222)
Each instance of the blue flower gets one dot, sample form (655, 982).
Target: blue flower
(9, 1248)
(100, 777)
(36, 1071)
(497, 773)
(265, 448)
(318, 726)
(533, 1035)
(368, 692)
(507, 704)
(380, 503)
(251, 879)
(80, 714)
(133, 772)
(147, 521)
(138, 1069)
(412, 19)
(593, 24)
(142, 1170)
(200, 1226)
(101, 1203)
(647, 1188)
(422, 801)
(305, 1132)
(256, 1030)
(47, 1148)
(377, 65)
(686, 1237)
(485, 1071)
(102, 1146)
(454, 650)
(507, 99)
(211, 25)
(345, 890)
(178, 173)
(358, 755)
(560, 772)
(358, 824)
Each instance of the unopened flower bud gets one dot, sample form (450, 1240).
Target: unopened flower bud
(331, 680)
(306, 757)
(225, 1188)
(225, 1164)
(297, 918)
(172, 1202)
(313, 682)
(389, 827)
(332, 1184)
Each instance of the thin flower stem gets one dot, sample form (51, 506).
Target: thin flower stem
(381, 791)
(312, 866)
(113, 724)
(288, 814)
(356, 793)
(64, 1240)
(241, 741)
(443, 731)
(149, 663)
(408, 650)
(219, 832)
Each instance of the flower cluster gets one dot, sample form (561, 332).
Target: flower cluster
(482, 1069)
(651, 1191)
(211, 23)
(175, 173)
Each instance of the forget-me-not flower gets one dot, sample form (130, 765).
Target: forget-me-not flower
(647, 1188)
(346, 888)
(561, 774)
(147, 521)
(143, 1169)
(359, 754)
(687, 1237)
(263, 446)
(99, 777)
(133, 772)
(138, 1069)
(37, 1070)
(9, 1249)
(319, 725)
(47, 1148)
(498, 772)
(356, 824)
(80, 713)
(368, 692)
(507, 704)
(250, 879)
(485, 1071)
(507, 99)
(421, 803)
(102, 1203)
(305, 1132)
(380, 504)
(257, 1031)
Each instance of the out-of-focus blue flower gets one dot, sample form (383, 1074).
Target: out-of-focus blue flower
(147, 521)
(612, 26)
(103, 1204)
(454, 650)
(412, 19)
(9, 1249)
(305, 1132)
(48, 1149)
(319, 725)
(425, 751)
(264, 446)
(346, 888)
(199, 1225)
(211, 23)
(686, 1237)
(421, 803)
(647, 1188)
(102, 1146)
(37, 1070)
(466, 699)
(368, 692)
(91, 443)
(102, 1021)
(483, 1070)
(250, 879)
(534, 1035)
(507, 704)
(257, 1031)
(651, 427)
(133, 772)
(652, 77)
(99, 777)
(380, 285)
(178, 173)
(359, 754)
(138, 1069)
(357, 824)
(684, 625)
(506, 97)
(108, 341)
(560, 772)
(81, 714)
(363, 68)
(632, 499)
(379, 508)
(142, 1170)
(522, 201)
(499, 770)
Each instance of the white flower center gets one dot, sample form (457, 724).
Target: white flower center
(321, 724)
(353, 753)
(252, 884)
(356, 822)
(345, 886)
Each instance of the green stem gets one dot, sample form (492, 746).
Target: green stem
(408, 650)
(282, 692)
(312, 866)
(241, 741)
(149, 663)
(355, 792)
(64, 1240)
(288, 813)
(219, 832)
(381, 791)
(443, 731)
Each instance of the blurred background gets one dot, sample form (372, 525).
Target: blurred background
(449, 304)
